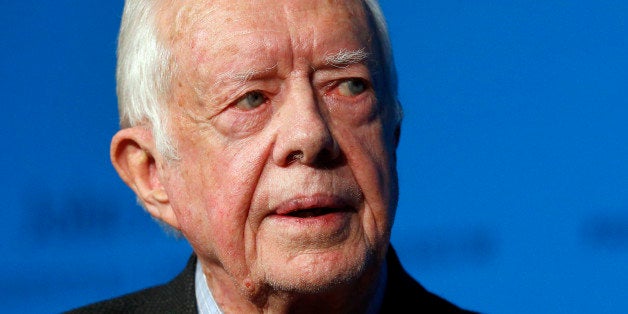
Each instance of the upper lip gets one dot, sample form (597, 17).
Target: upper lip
(318, 201)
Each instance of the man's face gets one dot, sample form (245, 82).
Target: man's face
(286, 175)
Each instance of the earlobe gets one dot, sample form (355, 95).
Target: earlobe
(135, 158)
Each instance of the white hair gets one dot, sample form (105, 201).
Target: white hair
(145, 70)
(144, 74)
(386, 54)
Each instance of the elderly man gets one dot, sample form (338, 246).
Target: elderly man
(265, 132)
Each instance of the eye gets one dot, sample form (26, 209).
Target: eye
(352, 87)
(251, 100)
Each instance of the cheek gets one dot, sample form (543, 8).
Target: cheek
(368, 152)
(372, 162)
(213, 184)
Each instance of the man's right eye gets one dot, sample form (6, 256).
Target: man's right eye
(251, 100)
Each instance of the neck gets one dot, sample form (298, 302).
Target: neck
(364, 295)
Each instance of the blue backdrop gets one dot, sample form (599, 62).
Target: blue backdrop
(513, 160)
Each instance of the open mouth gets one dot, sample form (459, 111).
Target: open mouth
(312, 212)
(313, 206)
(315, 212)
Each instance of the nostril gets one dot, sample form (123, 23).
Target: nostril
(294, 156)
(327, 155)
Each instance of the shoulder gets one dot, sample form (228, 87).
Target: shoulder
(177, 296)
(404, 292)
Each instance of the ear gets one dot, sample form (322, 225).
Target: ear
(137, 161)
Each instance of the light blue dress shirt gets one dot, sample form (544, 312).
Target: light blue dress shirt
(204, 299)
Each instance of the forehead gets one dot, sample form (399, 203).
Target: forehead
(187, 17)
(202, 31)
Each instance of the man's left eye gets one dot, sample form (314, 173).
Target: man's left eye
(352, 87)
(251, 100)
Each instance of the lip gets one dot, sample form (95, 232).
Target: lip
(323, 204)
(314, 220)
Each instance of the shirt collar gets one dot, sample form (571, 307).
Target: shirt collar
(207, 305)
(204, 300)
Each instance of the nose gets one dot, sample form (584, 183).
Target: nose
(303, 135)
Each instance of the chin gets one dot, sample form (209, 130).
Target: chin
(318, 272)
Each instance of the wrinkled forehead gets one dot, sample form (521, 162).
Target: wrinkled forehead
(186, 17)
(206, 25)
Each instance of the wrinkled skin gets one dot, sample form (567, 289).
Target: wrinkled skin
(286, 184)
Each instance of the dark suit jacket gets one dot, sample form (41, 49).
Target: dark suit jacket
(403, 295)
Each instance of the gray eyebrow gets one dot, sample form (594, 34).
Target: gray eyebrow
(243, 77)
(344, 58)
(236, 80)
